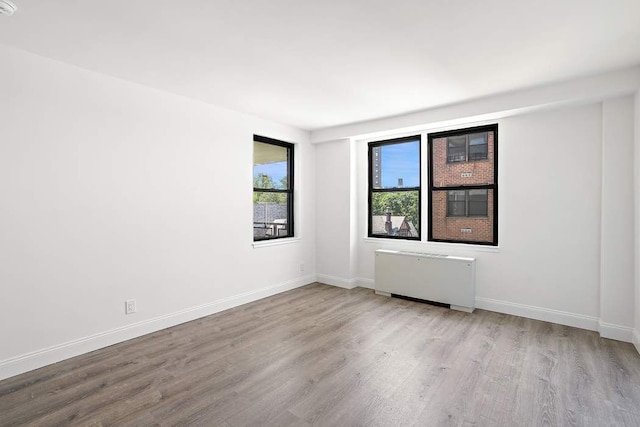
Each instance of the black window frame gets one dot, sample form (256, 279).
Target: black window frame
(288, 191)
(372, 189)
(467, 148)
(494, 186)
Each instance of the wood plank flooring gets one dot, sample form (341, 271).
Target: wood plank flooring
(321, 355)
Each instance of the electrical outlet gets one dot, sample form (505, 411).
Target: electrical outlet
(130, 306)
(301, 267)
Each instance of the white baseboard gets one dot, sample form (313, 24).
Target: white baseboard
(615, 332)
(636, 339)
(327, 279)
(57, 353)
(346, 283)
(539, 313)
(366, 283)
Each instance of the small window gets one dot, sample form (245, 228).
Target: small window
(463, 192)
(463, 148)
(272, 188)
(457, 149)
(467, 203)
(394, 188)
(456, 203)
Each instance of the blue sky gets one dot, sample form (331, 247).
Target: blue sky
(401, 161)
(276, 171)
(398, 161)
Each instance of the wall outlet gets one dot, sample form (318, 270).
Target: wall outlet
(301, 267)
(130, 306)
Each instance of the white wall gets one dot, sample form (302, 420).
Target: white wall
(337, 207)
(636, 336)
(617, 240)
(550, 263)
(112, 191)
(549, 223)
(333, 200)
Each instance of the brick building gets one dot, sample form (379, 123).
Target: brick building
(463, 214)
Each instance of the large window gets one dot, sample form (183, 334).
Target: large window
(394, 188)
(272, 188)
(463, 185)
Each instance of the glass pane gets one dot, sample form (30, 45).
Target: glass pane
(456, 203)
(270, 215)
(396, 165)
(456, 149)
(478, 138)
(478, 147)
(450, 168)
(478, 152)
(395, 214)
(462, 228)
(270, 166)
(477, 203)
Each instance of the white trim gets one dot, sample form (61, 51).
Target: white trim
(327, 279)
(357, 282)
(615, 332)
(636, 339)
(366, 283)
(539, 313)
(46, 356)
(432, 246)
(275, 242)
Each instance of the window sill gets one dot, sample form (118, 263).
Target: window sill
(275, 242)
(432, 246)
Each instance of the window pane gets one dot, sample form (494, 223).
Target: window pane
(269, 166)
(456, 203)
(478, 152)
(270, 215)
(395, 214)
(462, 228)
(396, 165)
(477, 203)
(456, 149)
(450, 168)
(478, 138)
(478, 147)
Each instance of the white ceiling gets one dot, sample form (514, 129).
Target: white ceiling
(315, 64)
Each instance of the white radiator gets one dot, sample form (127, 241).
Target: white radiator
(439, 278)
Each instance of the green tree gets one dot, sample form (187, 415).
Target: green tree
(265, 181)
(402, 203)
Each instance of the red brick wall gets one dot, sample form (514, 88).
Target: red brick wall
(449, 228)
(449, 174)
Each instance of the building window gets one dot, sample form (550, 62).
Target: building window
(470, 147)
(272, 188)
(467, 203)
(394, 188)
(463, 193)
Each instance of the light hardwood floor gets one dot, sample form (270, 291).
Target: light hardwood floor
(320, 355)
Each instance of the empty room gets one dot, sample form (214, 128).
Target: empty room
(336, 213)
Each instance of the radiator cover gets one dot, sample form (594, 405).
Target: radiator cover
(441, 278)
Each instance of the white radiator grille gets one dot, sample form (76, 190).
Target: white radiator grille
(433, 277)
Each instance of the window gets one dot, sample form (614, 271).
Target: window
(272, 188)
(394, 188)
(471, 147)
(463, 192)
(467, 203)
